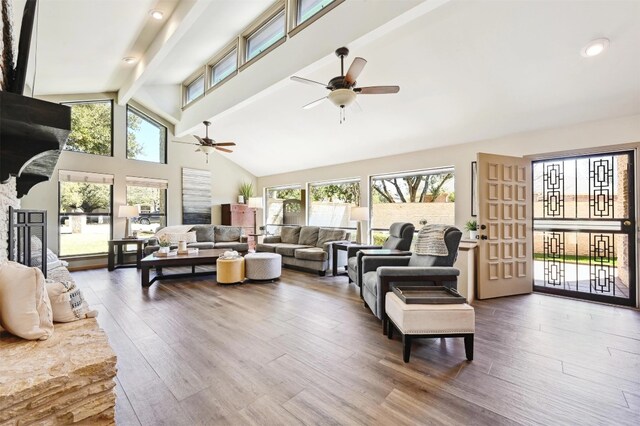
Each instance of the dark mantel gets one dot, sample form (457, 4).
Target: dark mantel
(32, 134)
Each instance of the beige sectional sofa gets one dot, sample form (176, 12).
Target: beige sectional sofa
(308, 247)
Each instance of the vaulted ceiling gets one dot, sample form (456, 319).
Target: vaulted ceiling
(467, 71)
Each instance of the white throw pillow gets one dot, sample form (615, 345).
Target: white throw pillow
(24, 304)
(67, 302)
(189, 237)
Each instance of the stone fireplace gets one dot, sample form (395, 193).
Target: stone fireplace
(8, 198)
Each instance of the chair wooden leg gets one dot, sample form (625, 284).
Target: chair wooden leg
(468, 346)
(406, 344)
(389, 329)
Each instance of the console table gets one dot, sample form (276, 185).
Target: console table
(115, 258)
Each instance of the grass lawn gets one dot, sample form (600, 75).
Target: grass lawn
(580, 260)
(92, 240)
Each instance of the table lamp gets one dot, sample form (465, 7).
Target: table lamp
(359, 214)
(128, 212)
(255, 203)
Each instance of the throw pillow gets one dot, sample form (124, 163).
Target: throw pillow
(67, 302)
(326, 235)
(204, 233)
(290, 234)
(225, 234)
(189, 237)
(308, 235)
(25, 310)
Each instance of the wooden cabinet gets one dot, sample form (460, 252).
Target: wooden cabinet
(239, 215)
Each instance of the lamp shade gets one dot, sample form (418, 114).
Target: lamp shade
(128, 211)
(359, 213)
(255, 202)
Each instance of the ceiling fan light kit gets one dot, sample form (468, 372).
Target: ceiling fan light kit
(208, 145)
(343, 90)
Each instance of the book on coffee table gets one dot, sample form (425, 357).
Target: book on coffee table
(168, 254)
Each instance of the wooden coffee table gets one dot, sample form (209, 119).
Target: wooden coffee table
(204, 257)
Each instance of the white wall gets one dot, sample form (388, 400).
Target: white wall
(621, 130)
(226, 176)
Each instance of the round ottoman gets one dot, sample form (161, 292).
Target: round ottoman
(230, 271)
(263, 266)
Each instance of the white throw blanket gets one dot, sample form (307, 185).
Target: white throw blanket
(173, 229)
(431, 241)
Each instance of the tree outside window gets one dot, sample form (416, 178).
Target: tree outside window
(91, 131)
(330, 203)
(85, 218)
(420, 198)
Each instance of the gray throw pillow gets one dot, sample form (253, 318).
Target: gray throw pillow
(204, 233)
(308, 235)
(290, 234)
(227, 233)
(326, 235)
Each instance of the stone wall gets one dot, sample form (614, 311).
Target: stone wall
(8, 198)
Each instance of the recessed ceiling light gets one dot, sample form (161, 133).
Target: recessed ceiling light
(156, 14)
(595, 47)
(129, 60)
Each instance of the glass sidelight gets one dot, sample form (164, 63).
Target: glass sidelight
(584, 227)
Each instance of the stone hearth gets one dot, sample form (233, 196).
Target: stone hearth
(66, 379)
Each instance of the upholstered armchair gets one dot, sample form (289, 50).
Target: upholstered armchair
(379, 273)
(400, 236)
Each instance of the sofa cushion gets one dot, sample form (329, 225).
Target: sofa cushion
(227, 233)
(288, 249)
(325, 235)
(308, 235)
(312, 253)
(204, 245)
(290, 235)
(233, 245)
(204, 233)
(370, 281)
(352, 262)
(266, 247)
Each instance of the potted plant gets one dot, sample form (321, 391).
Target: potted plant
(246, 192)
(472, 227)
(165, 245)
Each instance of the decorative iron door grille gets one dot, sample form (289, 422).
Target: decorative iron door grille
(28, 237)
(584, 227)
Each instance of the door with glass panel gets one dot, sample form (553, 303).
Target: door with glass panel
(585, 228)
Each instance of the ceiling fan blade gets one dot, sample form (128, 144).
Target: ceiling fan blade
(223, 149)
(187, 143)
(355, 69)
(356, 107)
(314, 103)
(200, 139)
(225, 144)
(377, 90)
(307, 81)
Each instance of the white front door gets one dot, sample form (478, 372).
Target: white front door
(505, 230)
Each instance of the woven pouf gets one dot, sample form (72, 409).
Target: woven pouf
(230, 271)
(263, 266)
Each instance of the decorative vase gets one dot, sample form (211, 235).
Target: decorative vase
(240, 199)
(473, 235)
(164, 249)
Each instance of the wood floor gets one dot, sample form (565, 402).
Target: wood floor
(305, 351)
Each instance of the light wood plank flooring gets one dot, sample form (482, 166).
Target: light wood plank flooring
(304, 350)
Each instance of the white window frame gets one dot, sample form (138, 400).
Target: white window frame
(219, 57)
(188, 82)
(265, 18)
(293, 6)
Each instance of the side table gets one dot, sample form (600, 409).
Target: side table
(115, 258)
(334, 258)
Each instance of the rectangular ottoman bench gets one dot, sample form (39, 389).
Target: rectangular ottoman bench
(429, 321)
